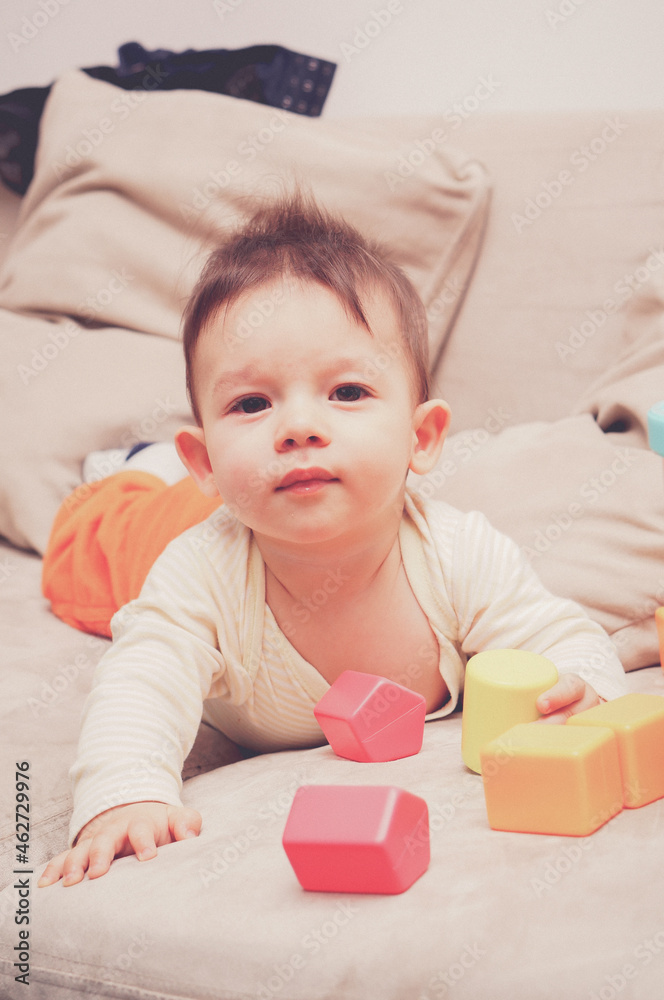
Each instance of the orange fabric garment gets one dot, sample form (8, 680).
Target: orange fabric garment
(105, 538)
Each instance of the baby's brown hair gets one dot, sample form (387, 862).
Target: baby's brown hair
(294, 237)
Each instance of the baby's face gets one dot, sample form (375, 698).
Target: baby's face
(307, 417)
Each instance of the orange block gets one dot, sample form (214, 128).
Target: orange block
(659, 622)
(638, 723)
(561, 780)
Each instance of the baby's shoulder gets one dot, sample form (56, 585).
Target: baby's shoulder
(448, 533)
(220, 534)
(216, 551)
(437, 517)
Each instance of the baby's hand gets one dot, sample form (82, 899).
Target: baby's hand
(137, 828)
(568, 696)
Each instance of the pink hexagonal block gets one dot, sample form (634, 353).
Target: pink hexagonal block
(367, 718)
(357, 838)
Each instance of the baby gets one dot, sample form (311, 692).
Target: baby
(307, 370)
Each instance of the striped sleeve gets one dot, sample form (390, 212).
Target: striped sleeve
(501, 603)
(142, 715)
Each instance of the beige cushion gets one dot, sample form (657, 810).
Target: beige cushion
(222, 916)
(536, 329)
(129, 191)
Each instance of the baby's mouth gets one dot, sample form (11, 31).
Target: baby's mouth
(306, 480)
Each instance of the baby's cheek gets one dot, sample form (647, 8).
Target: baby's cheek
(244, 489)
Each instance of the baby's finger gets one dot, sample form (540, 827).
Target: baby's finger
(569, 697)
(53, 871)
(102, 849)
(76, 863)
(184, 822)
(568, 689)
(141, 836)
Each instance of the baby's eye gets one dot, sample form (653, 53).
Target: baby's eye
(250, 404)
(349, 393)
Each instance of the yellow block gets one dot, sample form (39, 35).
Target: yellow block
(638, 722)
(561, 780)
(500, 690)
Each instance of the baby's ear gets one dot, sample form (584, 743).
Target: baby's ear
(431, 422)
(190, 443)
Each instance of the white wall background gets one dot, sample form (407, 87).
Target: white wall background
(542, 54)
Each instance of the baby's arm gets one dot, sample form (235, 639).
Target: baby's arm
(141, 719)
(502, 603)
(137, 828)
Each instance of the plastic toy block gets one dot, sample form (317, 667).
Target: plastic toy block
(659, 622)
(656, 428)
(638, 723)
(561, 780)
(370, 718)
(500, 691)
(357, 838)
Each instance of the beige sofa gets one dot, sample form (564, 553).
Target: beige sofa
(537, 243)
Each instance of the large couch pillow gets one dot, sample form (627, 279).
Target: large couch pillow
(129, 192)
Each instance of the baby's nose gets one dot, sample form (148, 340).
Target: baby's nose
(302, 426)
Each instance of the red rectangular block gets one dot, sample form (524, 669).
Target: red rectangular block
(357, 838)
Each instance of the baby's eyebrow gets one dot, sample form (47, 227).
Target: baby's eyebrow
(227, 380)
(353, 365)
